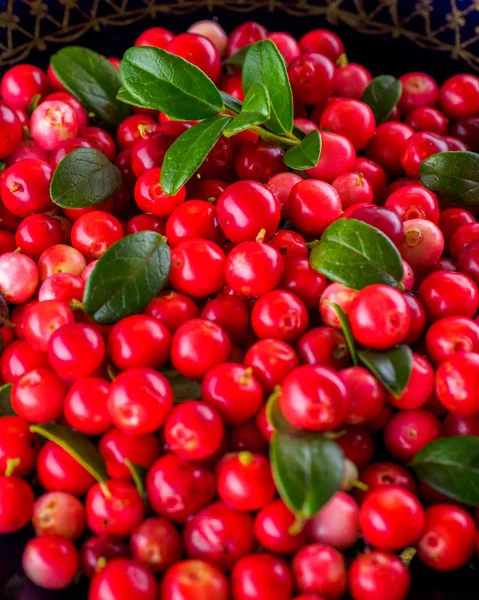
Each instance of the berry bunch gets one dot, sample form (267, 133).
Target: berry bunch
(222, 297)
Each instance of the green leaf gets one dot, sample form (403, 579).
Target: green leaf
(6, 409)
(231, 103)
(450, 465)
(255, 110)
(305, 155)
(124, 96)
(381, 95)
(185, 156)
(163, 81)
(85, 177)
(183, 388)
(77, 445)
(2, 165)
(128, 276)
(356, 254)
(92, 79)
(138, 472)
(237, 59)
(392, 368)
(346, 329)
(307, 470)
(275, 416)
(264, 64)
(453, 175)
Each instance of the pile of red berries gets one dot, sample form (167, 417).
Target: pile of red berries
(190, 509)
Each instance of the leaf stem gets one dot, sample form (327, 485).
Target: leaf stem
(269, 136)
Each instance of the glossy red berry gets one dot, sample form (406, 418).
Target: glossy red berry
(376, 575)
(11, 128)
(387, 145)
(351, 81)
(76, 350)
(261, 576)
(86, 408)
(196, 579)
(198, 50)
(423, 244)
(279, 314)
(410, 430)
(456, 384)
(450, 335)
(192, 219)
(337, 157)
(29, 393)
(16, 503)
(156, 543)
(53, 122)
(313, 205)
(446, 294)
(151, 198)
(230, 313)
(419, 387)
(271, 360)
(57, 470)
(51, 561)
(258, 161)
(60, 259)
(43, 319)
(26, 187)
(123, 578)
(350, 118)
(336, 524)
(58, 513)
(253, 269)
(458, 96)
(366, 395)
(21, 83)
(273, 529)
(320, 569)
(384, 474)
(312, 78)
(172, 309)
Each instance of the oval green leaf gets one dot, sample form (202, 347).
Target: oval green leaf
(381, 95)
(231, 103)
(450, 466)
(305, 155)
(255, 110)
(346, 329)
(356, 254)
(392, 367)
(138, 472)
(264, 64)
(185, 156)
(6, 409)
(77, 445)
(307, 470)
(92, 79)
(160, 80)
(128, 276)
(275, 416)
(237, 59)
(453, 175)
(85, 177)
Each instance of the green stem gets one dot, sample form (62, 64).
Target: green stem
(269, 136)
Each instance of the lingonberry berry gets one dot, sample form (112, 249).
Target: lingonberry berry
(94, 232)
(426, 118)
(456, 386)
(387, 145)
(193, 430)
(448, 540)
(320, 569)
(351, 81)
(273, 528)
(462, 237)
(418, 89)
(123, 578)
(145, 223)
(336, 524)
(353, 188)
(358, 448)
(352, 119)
(213, 31)
(382, 218)
(271, 360)
(17, 444)
(312, 78)
(43, 319)
(62, 287)
(446, 294)
(458, 96)
(172, 309)
(155, 36)
(410, 430)
(58, 513)
(230, 313)
(391, 518)
(337, 157)
(336, 293)
(105, 547)
(133, 129)
(57, 470)
(36, 233)
(67, 98)
(414, 202)
(16, 503)
(21, 83)
(192, 219)
(29, 393)
(252, 435)
(323, 346)
(151, 198)
(313, 398)
(51, 561)
(259, 161)
(384, 474)
(378, 575)
(53, 122)
(197, 346)
(281, 315)
(419, 147)
(60, 258)
(466, 131)
(261, 576)
(177, 488)
(19, 358)
(290, 244)
(116, 447)
(156, 543)
(419, 387)
(11, 131)
(313, 205)
(244, 35)
(451, 219)
(26, 187)
(300, 278)
(85, 407)
(366, 395)
(196, 579)
(450, 335)
(423, 243)
(219, 534)
(418, 318)
(281, 185)
(461, 424)
(253, 268)
(200, 51)
(76, 350)
(18, 277)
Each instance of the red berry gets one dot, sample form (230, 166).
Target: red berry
(279, 314)
(29, 393)
(155, 36)
(58, 513)
(99, 547)
(450, 335)
(53, 122)
(414, 202)
(123, 579)
(116, 446)
(336, 524)
(446, 294)
(172, 309)
(261, 576)
(198, 50)
(43, 319)
(419, 387)
(11, 131)
(351, 81)
(76, 350)
(350, 118)
(192, 219)
(86, 407)
(312, 78)
(410, 430)
(313, 205)
(273, 529)
(194, 580)
(384, 474)
(253, 269)
(337, 157)
(21, 83)
(51, 561)
(271, 360)
(26, 187)
(418, 147)
(230, 313)
(320, 569)
(387, 145)
(16, 503)
(60, 259)
(19, 358)
(57, 470)
(426, 118)
(151, 198)
(423, 244)
(366, 395)
(456, 386)
(156, 543)
(458, 96)
(418, 89)
(377, 575)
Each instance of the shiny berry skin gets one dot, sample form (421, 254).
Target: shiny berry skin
(449, 538)
(11, 131)
(58, 513)
(450, 335)
(353, 188)
(261, 577)
(271, 360)
(446, 294)
(65, 147)
(134, 129)
(7, 242)
(281, 185)
(423, 244)
(139, 400)
(466, 131)
(197, 267)
(86, 407)
(57, 470)
(379, 317)
(51, 561)
(429, 119)
(286, 44)
(336, 524)
(53, 122)
(320, 569)
(193, 430)
(461, 425)
(290, 244)
(377, 575)
(245, 34)
(194, 579)
(198, 50)
(418, 89)
(419, 147)
(60, 259)
(233, 391)
(19, 358)
(172, 309)
(18, 277)
(17, 443)
(26, 187)
(117, 514)
(272, 529)
(350, 118)
(76, 350)
(219, 161)
(408, 431)
(29, 393)
(366, 395)
(63, 287)
(36, 233)
(213, 31)
(414, 202)
(21, 83)
(339, 294)
(123, 578)
(101, 546)
(99, 139)
(387, 145)
(151, 198)
(94, 232)
(456, 385)
(312, 78)
(245, 208)
(323, 346)
(244, 481)
(177, 488)
(313, 205)
(462, 237)
(351, 81)
(192, 219)
(458, 96)
(419, 387)
(313, 398)
(230, 313)
(197, 346)
(303, 280)
(357, 446)
(156, 543)
(337, 157)
(384, 474)
(145, 222)
(155, 36)
(253, 268)
(117, 446)
(16, 504)
(43, 319)
(281, 315)
(259, 161)
(206, 189)
(147, 153)
(138, 341)
(382, 218)
(219, 534)
(391, 518)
